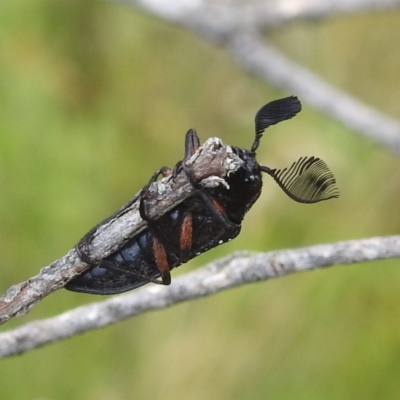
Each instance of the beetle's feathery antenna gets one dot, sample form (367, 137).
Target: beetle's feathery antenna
(272, 113)
(308, 180)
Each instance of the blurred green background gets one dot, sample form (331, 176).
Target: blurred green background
(94, 97)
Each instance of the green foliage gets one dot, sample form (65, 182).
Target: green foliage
(95, 97)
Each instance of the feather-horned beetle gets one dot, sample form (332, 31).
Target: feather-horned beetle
(206, 219)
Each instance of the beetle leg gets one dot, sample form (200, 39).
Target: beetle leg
(160, 255)
(218, 211)
(213, 205)
(82, 248)
(177, 169)
(161, 261)
(192, 143)
(153, 178)
(186, 237)
(164, 171)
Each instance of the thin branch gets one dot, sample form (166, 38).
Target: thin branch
(242, 37)
(223, 18)
(260, 58)
(239, 31)
(290, 10)
(238, 269)
(258, 13)
(210, 163)
(269, 15)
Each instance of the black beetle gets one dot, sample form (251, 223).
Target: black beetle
(206, 219)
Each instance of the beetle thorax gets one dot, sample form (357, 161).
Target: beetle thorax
(244, 187)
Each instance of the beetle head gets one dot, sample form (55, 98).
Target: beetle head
(307, 180)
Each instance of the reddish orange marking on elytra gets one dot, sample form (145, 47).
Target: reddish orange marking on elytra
(161, 261)
(218, 206)
(186, 233)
